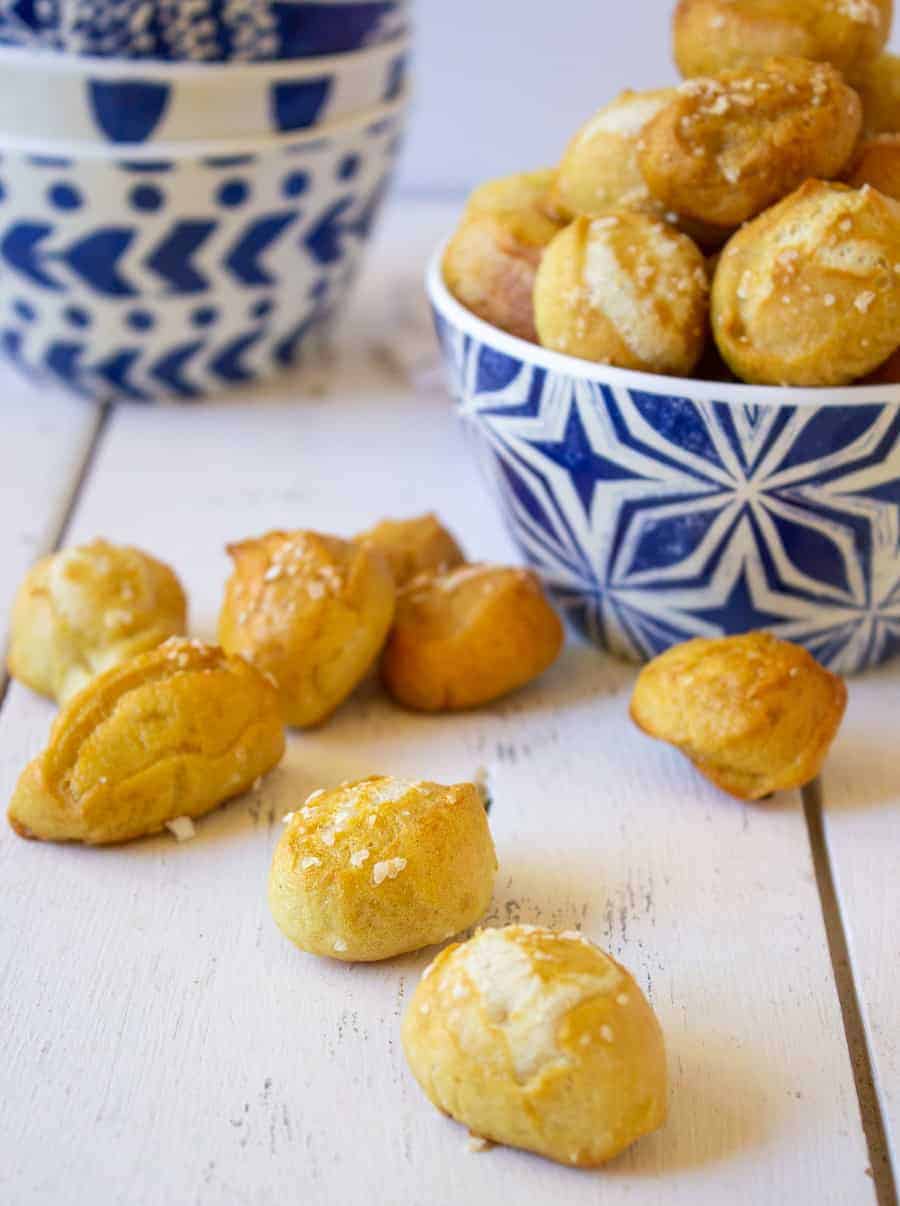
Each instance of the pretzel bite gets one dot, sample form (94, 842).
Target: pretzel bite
(381, 866)
(538, 1040)
(464, 638)
(877, 163)
(878, 85)
(625, 290)
(711, 35)
(172, 733)
(809, 292)
(753, 713)
(730, 145)
(312, 611)
(490, 262)
(82, 610)
(414, 546)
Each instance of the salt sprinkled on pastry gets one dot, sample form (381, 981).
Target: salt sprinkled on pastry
(537, 1040)
(382, 866)
(753, 713)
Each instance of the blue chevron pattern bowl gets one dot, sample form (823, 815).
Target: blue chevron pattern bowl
(178, 275)
(202, 30)
(109, 101)
(657, 509)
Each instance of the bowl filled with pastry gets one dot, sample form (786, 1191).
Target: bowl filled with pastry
(676, 353)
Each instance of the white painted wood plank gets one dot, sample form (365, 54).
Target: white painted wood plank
(46, 436)
(167, 1045)
(861, 801)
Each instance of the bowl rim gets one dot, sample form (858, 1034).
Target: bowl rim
(55, 62)
(207, 148)
(695, 388)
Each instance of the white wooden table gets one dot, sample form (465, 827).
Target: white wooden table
(163, 1044)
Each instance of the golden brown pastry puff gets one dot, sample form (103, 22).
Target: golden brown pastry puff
(490, 262)
(878, 85)
(599, 169)
(808, 293)
(171, 733)
(626, 290)
(312, 611)
(372, 869)
(414, 546)
(877, 163)
(711, 35)
(730, 145)
(753, 713)
(469, 636)
(84, 609)
(538, 1040)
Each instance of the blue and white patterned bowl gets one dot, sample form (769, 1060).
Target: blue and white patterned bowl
(175, 274)
(62, 97)
(658, 508)
(202, 30)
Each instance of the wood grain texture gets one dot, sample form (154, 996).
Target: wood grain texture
(46, 437)
(861, 803)
(166, 1044)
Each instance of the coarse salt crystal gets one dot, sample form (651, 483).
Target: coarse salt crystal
(310, 861)
(863, 300)
(287, 818)
(327, 836)
(425, 1008)
(388, 868)
(273, 572)
(622, 998)
(358, 857)
(829, 299)
(182, 828)
(339, 945)
(478, 1143)
(606, 1033)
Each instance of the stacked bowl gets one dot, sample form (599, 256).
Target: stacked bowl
(187, 186)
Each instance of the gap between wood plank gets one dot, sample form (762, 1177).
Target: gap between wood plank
(854, 1031)
(67, 512)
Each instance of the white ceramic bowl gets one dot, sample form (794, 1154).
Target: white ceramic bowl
(179, 270)
(661, 508)
(69, 98)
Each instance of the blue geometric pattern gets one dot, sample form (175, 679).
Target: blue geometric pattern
(654, 518)
(204, 30)
(209, 274)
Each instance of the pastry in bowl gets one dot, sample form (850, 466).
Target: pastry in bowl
(808, 293)
(753, 713)
(80, 611)
(312, 611)
(372, 869)
(538, 1040)
(468, 637)
(729, 145)
(490, 263)
(172, 733)
(414, 546)
(710, 35)
(624, 289)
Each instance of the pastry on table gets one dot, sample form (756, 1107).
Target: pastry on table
(312, 611)
(624, 289)
(169, 734)
(729, 145)
(710, 35)
(84, 609)
(753, 713)
(414, 546)
(372, 869)
(538, 1040)
(469, 636)
(878, 85)
(808, 293)
(490, 262)
(877, 163)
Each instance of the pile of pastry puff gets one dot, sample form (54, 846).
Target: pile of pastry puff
(760, 200)
(528, 1036)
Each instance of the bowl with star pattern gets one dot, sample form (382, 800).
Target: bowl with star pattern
(657, 509)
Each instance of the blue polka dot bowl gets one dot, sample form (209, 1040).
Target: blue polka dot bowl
(658, 509)
(115, 101)
(217, 31)
(177, 273)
